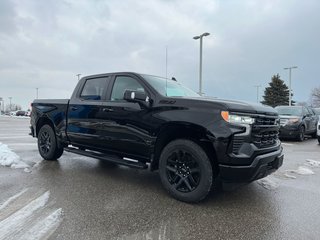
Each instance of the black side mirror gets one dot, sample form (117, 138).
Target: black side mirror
(136, 96)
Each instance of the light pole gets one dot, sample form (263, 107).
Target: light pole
(257, 86)
(289, 68)
(1, 103)
(79, 74)
(37, 92)
(200, 65)
(10, 103)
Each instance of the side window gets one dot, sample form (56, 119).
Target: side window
(93, 89)
(123, 83)
(310, 111)
(305, 111)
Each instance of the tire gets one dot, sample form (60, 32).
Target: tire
(47, 144)
(314, 135)
(301, 134)
(319, 140)
(186, 171)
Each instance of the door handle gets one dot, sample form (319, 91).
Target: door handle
(74, 108)
(107, 110)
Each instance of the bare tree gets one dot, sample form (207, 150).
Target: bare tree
(13, 107)
(315, 97)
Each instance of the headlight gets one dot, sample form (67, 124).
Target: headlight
(237, 119)
(293, 120)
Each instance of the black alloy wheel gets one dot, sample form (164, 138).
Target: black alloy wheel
(47, 144)
(186, 171)
(183, 171)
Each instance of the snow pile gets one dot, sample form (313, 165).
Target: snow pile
(313, 163)
(287, 175)
(302, 171)
(10, 159)
(268, 183)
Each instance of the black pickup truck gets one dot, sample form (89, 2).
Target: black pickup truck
(153, 123)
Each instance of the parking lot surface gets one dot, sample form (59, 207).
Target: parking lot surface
(84, 198)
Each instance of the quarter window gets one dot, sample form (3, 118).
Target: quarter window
(123, 83)
(93, 89)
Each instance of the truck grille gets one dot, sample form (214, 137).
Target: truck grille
(265, 139)
(265, 131)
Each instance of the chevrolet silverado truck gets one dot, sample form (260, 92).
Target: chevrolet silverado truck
(154, 123)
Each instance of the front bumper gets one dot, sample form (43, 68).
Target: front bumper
(289, 131)
(261, 166)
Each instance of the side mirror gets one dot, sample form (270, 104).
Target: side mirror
(136, 96)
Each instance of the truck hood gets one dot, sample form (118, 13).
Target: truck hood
(239, 106)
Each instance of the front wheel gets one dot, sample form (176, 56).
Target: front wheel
(186, 171)
(47, 144)
(301, 134)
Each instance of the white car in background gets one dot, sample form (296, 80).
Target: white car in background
(317, 111)
(318, 131)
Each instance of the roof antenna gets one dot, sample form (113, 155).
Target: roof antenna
(166, 70)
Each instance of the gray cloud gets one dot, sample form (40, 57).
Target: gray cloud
(45, 43)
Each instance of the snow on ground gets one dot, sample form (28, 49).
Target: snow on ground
(302, 171)
(313, 163)
(10, 159)
(36, 220)
(268, 182)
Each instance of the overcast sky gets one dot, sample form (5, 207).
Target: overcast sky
(44, 44)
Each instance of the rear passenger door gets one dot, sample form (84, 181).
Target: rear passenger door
(84, 128)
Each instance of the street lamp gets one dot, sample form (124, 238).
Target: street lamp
(257, 86)
(200, 65)
(289, 68)
(10, 103)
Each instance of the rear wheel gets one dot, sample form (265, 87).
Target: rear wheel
(301, 134)
(186, 171)
(47, 144)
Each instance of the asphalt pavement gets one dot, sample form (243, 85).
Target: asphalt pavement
(84, 198)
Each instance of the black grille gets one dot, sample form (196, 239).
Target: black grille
(265, 139)
(264, 121)
(265, 131)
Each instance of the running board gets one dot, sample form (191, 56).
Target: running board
(109, 158)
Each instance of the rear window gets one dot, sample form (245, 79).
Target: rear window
(93, 89)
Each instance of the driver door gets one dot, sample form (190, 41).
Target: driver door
(126, 125)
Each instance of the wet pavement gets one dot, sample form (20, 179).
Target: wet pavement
(84, 198)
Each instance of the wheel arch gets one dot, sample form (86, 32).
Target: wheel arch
(43, 121)
(182, 130)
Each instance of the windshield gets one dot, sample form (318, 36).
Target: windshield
(290, 111)
(169, 88)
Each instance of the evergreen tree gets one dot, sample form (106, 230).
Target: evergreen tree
(277, 93)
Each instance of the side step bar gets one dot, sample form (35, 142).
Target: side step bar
(109, 158)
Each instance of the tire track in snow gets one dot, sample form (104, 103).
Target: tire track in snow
(44, 228)
(23, 223)
(6, 203)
